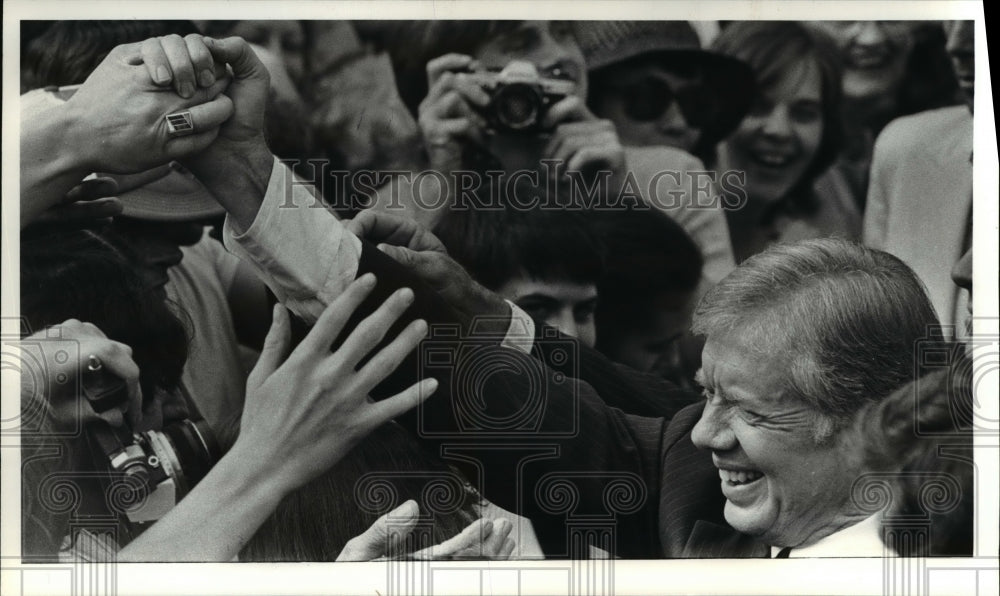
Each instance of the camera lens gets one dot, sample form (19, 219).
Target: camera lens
(195, 450)
(517, 106)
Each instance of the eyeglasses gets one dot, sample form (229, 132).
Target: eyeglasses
(649, 99)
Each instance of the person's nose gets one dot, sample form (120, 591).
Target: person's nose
(564, 321)
(673, 120)
(961, 273)
(777, 124)
(870, 33)
(713, 431)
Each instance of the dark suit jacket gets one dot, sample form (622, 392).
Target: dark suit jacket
(591, 452)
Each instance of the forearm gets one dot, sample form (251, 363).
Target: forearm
(217, 518)
(52, 162)
(237, 178)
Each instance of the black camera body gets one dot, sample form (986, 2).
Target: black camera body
(520, 97)
(157, 467)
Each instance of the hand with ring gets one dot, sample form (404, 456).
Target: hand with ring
(236, 166)
(117, 122)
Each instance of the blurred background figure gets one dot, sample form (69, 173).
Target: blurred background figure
(64, 53)
(647, 294)
(919, 205)
(891, 69)
(791, 135)
(653, 80)
(922, 434)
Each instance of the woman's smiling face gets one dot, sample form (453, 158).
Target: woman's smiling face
(780, 137)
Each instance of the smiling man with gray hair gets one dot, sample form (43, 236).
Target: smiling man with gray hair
(799, 339)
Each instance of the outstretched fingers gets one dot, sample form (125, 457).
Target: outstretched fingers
(380, 412)
(336, 315)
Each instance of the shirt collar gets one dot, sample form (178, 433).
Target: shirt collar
(862, 539)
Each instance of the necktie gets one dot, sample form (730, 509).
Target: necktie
(783, 553)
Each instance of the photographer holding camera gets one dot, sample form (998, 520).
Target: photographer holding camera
(503, 95)
(305, 409)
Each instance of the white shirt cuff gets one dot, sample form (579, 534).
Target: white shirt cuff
(521, 332)
(297, 246)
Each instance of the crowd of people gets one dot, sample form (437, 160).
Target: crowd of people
(351, 290)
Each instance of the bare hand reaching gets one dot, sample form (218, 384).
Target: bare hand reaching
(304, 412)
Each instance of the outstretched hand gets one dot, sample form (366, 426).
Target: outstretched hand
(482, 539)
(305, 410)
(236, 167)
(118, 116)
(423, 253)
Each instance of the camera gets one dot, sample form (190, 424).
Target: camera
(497, 392)
(520, 97)
(159, 467)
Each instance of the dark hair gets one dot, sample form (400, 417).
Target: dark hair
(88, 275)
(771, 48)
(846, 317)
(384, 470)
(904, 435)
(412, 44)
(66, 52)
(497, 244)
(72, 273)
(648, 256)
(929, 81)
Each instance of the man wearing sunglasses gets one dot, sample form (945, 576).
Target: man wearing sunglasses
(653, 80)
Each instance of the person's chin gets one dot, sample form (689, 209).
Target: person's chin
(769, 183)
(766, 191)
(748, 506)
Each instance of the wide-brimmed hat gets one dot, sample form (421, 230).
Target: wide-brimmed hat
(169, 193)
(607, 44)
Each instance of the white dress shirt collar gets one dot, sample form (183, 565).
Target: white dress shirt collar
(862, 539)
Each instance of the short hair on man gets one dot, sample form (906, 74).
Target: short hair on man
(498, 244)
(648, 257)
(846, 318)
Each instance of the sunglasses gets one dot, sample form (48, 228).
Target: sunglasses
(649, 99)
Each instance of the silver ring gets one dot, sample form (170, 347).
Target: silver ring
(94, 363)
(180, 124)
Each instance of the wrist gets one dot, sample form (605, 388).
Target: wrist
(237, 175)
(492, 312)
(254, 469)
(81, 145)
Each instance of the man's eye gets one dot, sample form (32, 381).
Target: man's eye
(517, 42)
(538, 313)
(585, 313)
(751, 416)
